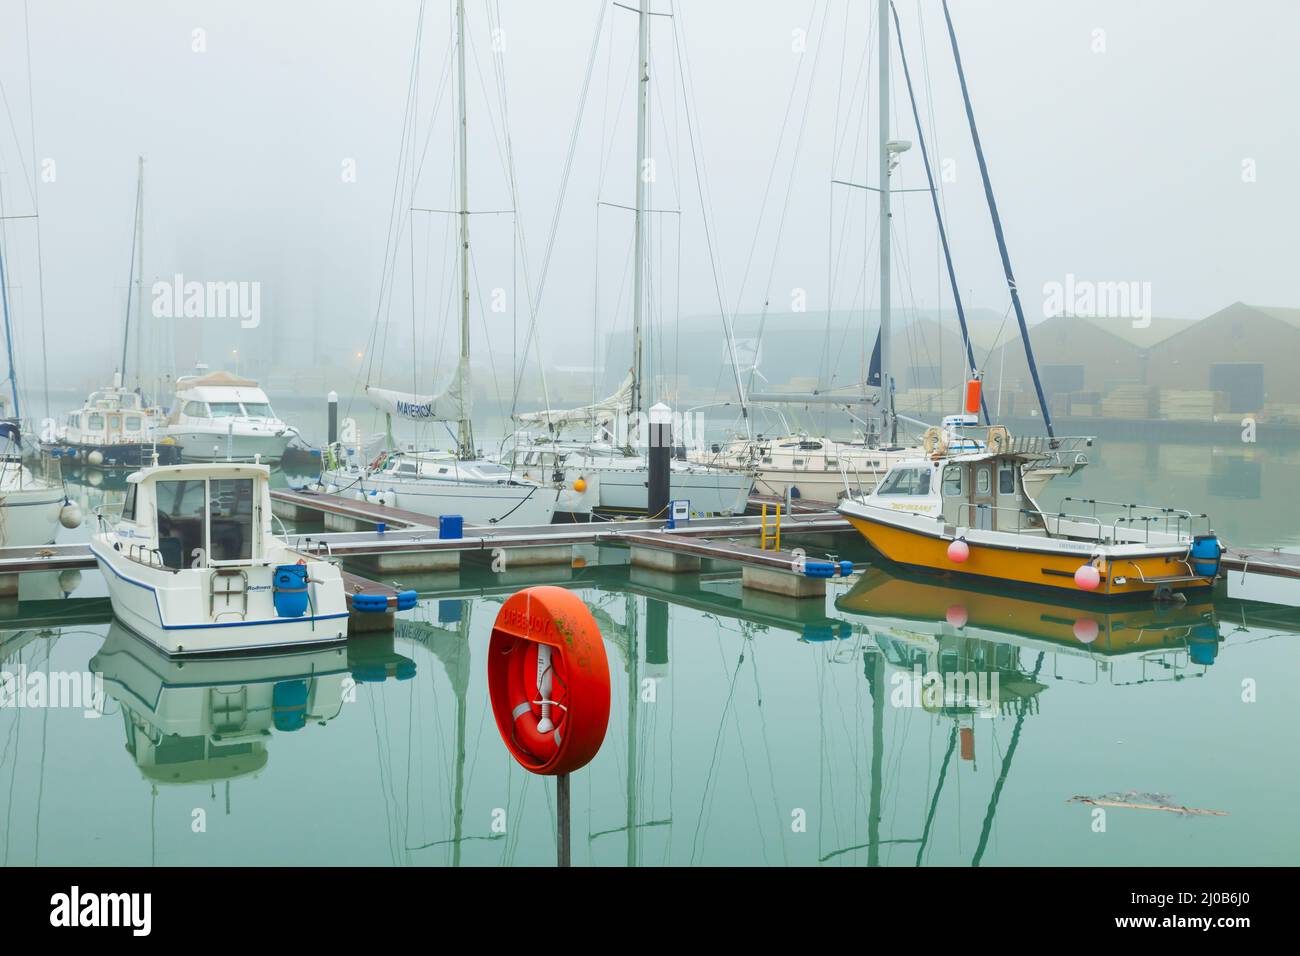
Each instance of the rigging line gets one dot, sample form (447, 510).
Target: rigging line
(789, 188)
(934, 803)
(776, 157)
(767, 748)
(40, 265)
(997, 227)
(938, 215)
(1002, 774)
(22, 165)
(828, 372)
(393, 205)
(717, 740)
(535, 300)
(701, 174)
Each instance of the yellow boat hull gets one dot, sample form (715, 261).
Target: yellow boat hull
(1039, 569)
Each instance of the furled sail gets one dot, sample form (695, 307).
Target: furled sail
(595, 414)
(448, 405)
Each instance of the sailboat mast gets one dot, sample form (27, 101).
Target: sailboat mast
(9, 337)
(465, 432)
(139, 282)
(638, 250)
(889, 423)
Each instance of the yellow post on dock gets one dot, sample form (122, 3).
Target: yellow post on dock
(775, 536)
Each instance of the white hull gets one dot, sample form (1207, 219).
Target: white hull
(29, 517)
(484, 504)
(174, 611)
(710, 493)
(199, 445)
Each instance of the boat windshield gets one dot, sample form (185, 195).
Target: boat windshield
(258, 410)
(224, 409)
(906, 481)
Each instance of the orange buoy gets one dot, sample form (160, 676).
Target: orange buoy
(973, 397)
(548, 678)
(580, 485)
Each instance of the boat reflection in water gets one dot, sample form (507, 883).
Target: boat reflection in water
(208, 719)
(947, 627)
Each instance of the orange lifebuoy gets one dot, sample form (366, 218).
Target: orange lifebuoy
(548, 678)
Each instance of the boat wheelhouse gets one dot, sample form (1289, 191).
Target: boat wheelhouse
(964, 509)
(193, 566)
(217, 416)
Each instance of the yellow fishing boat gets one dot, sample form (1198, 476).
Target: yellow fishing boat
(963, 509)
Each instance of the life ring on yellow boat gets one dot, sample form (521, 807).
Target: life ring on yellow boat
(999, 439)
(933, 443)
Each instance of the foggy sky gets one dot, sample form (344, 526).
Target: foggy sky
(1125, 164)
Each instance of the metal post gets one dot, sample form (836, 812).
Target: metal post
(638, 241)
(562, 819)
(332, 401)
(659, 458)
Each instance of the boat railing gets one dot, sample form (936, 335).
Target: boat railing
(1068, 451)
(1175, 521)
(1028, 520)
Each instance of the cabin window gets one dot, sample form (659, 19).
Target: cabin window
(180, 521)
(74, 421)
(225, 409)
(798, 462)
(1006, 481)
(906, 481)
(133, 423)
(952, 481)
(406, 468)
(983, 481)
(258, 410)
(231, 519)
(128, 509)
(196, 410)
(96, 422)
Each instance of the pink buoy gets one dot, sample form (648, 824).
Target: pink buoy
(957, 616)
(1087, 577)
(1086, 630)
(958, 551)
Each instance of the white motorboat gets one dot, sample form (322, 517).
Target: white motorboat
(217, 416)
(480, 491)
(193, 566)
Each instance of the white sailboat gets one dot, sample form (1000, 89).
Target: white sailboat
(32, 502)
(816, 466)
(617, 473)
(442, 483)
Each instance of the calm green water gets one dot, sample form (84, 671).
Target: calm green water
(742, 731)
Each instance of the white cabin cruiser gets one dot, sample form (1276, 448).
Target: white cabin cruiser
(193, 567)
(482, 492)
(217, 416)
